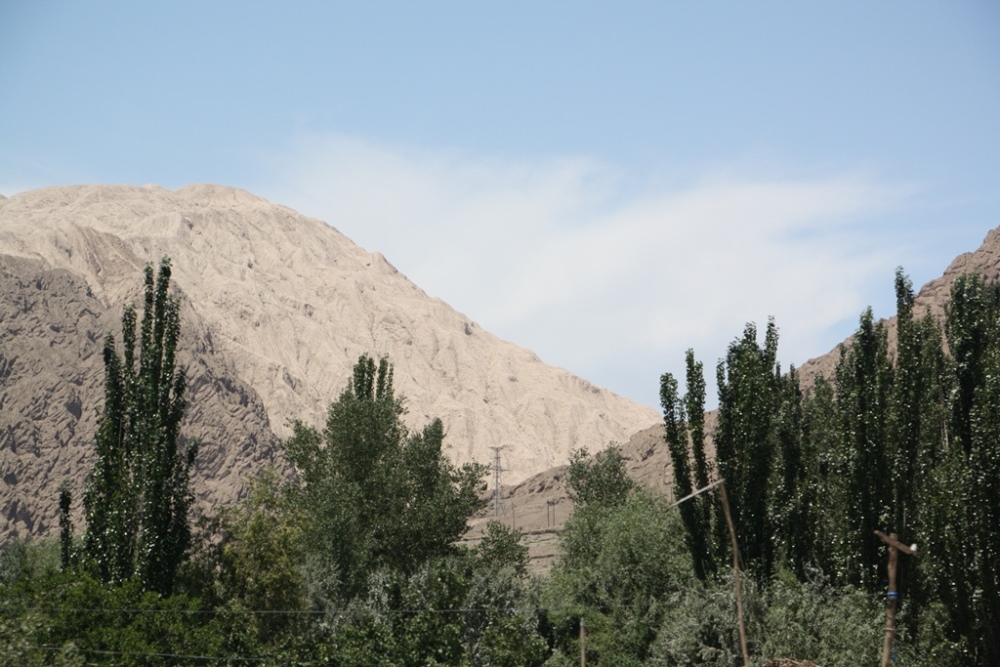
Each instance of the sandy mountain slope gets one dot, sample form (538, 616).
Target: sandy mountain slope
(277, 307)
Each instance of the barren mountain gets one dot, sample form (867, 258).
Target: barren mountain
(276, 309)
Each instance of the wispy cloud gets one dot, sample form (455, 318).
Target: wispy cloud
(566, 257)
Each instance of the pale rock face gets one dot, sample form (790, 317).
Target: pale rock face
(277, 308)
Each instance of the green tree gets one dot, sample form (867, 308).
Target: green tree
(619, 552)
(969, 325)
(374, 495)
(621, 568)
(819, 513)
(908, 396)
(251, 569)
(501, 547)
(749, 381)
(601, 480)
(864, 390)
(983, 509)
(790, 511)
(502, 626)
(686, 443)
(918, 427)
(698, 629)
(451, 610)
(963, 499)
(137, 497)
(919, 415)
(801, 620)
(694, 404)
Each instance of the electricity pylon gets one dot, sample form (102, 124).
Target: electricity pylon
(498, 507)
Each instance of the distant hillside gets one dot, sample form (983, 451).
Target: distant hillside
(277, 307)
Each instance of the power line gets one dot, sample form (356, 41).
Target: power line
(277, 612)
(347, 611)
(179, 656)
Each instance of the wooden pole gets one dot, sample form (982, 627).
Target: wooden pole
(890, 609)
(721, 483)
(895, 546)
(583, 643)
(736, 572)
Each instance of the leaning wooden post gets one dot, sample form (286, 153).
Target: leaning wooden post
(721, 483)
(736, 572)
(895, 546)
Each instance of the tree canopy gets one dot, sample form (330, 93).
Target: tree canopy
(903, 438)
(137, 498)
(354, 558)
(374, 494)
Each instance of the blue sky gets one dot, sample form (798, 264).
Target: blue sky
(605, 183)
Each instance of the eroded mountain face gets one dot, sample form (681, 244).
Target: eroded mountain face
(52, 330)
(277, 308)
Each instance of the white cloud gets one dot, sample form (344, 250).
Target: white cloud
(561, 257)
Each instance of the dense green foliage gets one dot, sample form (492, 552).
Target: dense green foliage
(601, 480)
(352, 558)
(621, 563)
(374, 495)
(137, 497)
(70, 618)
(684, 423)
(904, 438)
(625, 569)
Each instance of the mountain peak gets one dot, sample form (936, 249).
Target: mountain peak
(277, 308)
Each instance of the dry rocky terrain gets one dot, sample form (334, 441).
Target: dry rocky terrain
(277, 307)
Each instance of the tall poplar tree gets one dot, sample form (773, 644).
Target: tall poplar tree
(137, 497)
(694, 405)
(749, 381)
(864, 387)
(822, 496)
(792, 500)
(686, 443)
(918, 428)
(964, 505)
(908, 395)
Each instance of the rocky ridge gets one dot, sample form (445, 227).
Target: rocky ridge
(276, 308)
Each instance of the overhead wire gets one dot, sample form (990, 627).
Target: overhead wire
(177, 656)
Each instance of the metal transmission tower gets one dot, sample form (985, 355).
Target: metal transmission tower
(498, 507)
